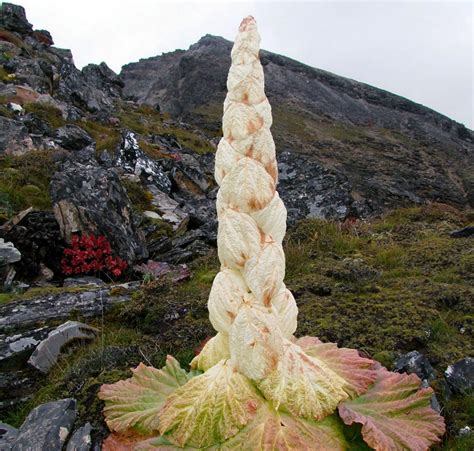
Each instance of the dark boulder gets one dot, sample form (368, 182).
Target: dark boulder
(104, 79)
(8, 435)
(91, 302)
(81, 439)
(47, 427)
(416, 363)
(21, 344)
(72, 137)
(33, 235)
(131, 158)
(466, 232)
(311, 191)
(460, 376)
(14, 137)
(44, 37)
(88, 198)
(13, 18)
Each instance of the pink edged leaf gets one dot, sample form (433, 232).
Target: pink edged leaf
(276, 431)
(135, 402)
(210, 408)
(395, 414)
(121, 442)
(357, 371)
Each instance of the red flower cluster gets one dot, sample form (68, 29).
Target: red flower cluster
(89, 254)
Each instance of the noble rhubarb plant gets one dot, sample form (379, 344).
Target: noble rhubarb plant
(254, 386)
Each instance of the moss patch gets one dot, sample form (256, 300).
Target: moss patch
(24, 181)
(47, 113)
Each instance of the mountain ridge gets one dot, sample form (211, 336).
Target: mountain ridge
(387, 149)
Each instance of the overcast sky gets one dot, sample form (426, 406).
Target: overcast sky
(421, 50)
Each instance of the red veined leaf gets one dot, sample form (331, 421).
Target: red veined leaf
(395, 414)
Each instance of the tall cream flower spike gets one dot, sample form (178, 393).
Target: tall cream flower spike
(254, 386)
(249, 305)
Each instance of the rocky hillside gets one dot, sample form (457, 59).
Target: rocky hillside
(354, 149)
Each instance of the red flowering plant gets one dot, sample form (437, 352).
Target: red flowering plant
(90, 254)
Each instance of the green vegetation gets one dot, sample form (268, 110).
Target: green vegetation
(107, 137)
(24, 181)
(139, 196)
(145, 121)
(48, 113)
(36, 292)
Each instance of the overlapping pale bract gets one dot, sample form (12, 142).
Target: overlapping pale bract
(261, 389)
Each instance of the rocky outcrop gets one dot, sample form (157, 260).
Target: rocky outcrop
(358, 150)
(416, 363)
(460, 376)
(13, 18)
(47, 427)
(28, 314)
(33, 234)
(88, 198)
(131, 158)
(48, 70)
(72, 137)
(9, 255)
(47, 352)
(14, 137)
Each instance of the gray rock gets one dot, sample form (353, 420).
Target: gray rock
(433, 400)
(311, 191)
(81, 439)
(463, 233)
(460, 376)
(33, 232)
(72, 137)
(47, 427)
(169, 209)
(81, 281)
(14, 138)
(104, 79)
(13, 345)
(416, 363)
(8, 253)
(13, 18)
(27, 314)
(47, 352)
(8, 435)
(89, 198)
(130, 157)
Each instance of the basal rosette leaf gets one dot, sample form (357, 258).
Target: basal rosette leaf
(395, 414)
(215, 350)
(303, 385)
(277, 431)
(210, 408)
(358, 372)
(135, 402)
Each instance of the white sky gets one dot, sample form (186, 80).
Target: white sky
(421, 50)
